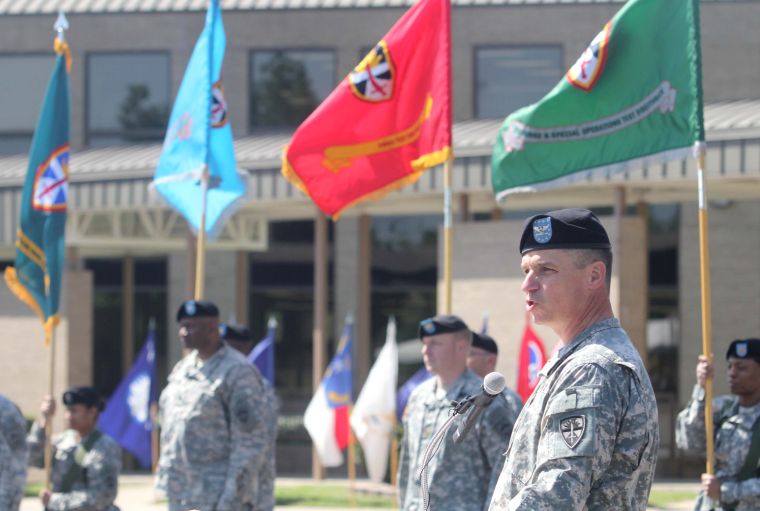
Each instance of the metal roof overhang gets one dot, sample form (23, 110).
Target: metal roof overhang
(114, 181)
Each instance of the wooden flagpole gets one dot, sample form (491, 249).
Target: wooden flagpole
(200, 248)
(60, 26)
(49, 420)
(704, 271)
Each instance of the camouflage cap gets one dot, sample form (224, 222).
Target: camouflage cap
(744, 349)
(564, 228)
(485, 343)
(442, 324)
(88, 396)
(197, 309)
(235, 333)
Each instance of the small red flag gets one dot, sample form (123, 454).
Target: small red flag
(387, 122)
(532, 359)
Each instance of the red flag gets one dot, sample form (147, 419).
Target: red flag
(532, 359)
(387, 122)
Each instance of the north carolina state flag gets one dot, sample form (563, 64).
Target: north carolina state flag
(386, 122)
(532, 360)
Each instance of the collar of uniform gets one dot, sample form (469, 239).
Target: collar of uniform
(455, 392)
(579, 339)
(747, 416)
(197, 365)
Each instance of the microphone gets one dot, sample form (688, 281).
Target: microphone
(493, 384)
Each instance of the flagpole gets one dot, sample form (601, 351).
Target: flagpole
(704, 271)
(49, 421)
(200, 248)
(351, 462)
(60, 26)
(447, 236)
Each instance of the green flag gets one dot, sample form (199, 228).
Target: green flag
(36, 275)
(634, 97)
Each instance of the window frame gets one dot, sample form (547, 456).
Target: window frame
(171, 92)
(509, 46)
(252, 129)
(28, 133)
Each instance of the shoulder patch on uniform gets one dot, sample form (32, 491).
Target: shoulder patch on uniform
(572, 429)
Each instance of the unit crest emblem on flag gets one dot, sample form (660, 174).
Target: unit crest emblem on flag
(542, 230)
(372, 79)
(589, 67)
(572, 429)
(218, 106)
(51, 183)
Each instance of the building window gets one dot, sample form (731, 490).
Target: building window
(508, 78)
(127, 97)
(23, 81)
(287, 85)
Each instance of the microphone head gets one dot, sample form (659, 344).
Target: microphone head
(494, 383)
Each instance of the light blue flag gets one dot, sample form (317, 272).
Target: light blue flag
(199, 134)
(127, 418)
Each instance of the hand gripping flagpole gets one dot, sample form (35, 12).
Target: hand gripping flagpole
(60, 26)
(704, 270)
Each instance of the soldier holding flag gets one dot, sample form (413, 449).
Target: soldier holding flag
(86, 463)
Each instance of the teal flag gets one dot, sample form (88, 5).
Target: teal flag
(199, 135)
(633, 97)
(36, 275)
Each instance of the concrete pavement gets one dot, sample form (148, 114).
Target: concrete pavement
(136, 494)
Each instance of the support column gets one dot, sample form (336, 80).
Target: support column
(242, 287)
(352, 289)
(127, 313)
(320, 312)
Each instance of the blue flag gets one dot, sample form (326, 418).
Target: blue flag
(337, 380)
(262, 355)
(36, 275)
(406, 389)
(199, 134)
(127, 418)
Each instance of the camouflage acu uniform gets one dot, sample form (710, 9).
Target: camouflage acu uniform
(514, 404)
(96, 490)
(587, 438)
(267, 473)
(212, 435)
(733, 436)
(462, 476)
(12, 455)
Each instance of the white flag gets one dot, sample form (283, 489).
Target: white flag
(374, 414)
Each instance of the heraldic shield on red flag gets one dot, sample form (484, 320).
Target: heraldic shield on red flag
(387, 122)
(532, 360)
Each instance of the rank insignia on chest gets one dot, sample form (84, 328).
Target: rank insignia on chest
(572, 429)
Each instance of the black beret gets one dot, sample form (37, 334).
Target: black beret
(484, 342)
(197, 309)
(564, 228)
(235, 333)
(87, 396)
(444, 324)
(744, 349)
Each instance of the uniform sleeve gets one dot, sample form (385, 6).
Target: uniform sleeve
(579, 430)
(690, 424)
(493, 436)
(248, 436)
(35, 442)
(12, 457)
(402, 474)
(102, 466)
(746, 493)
